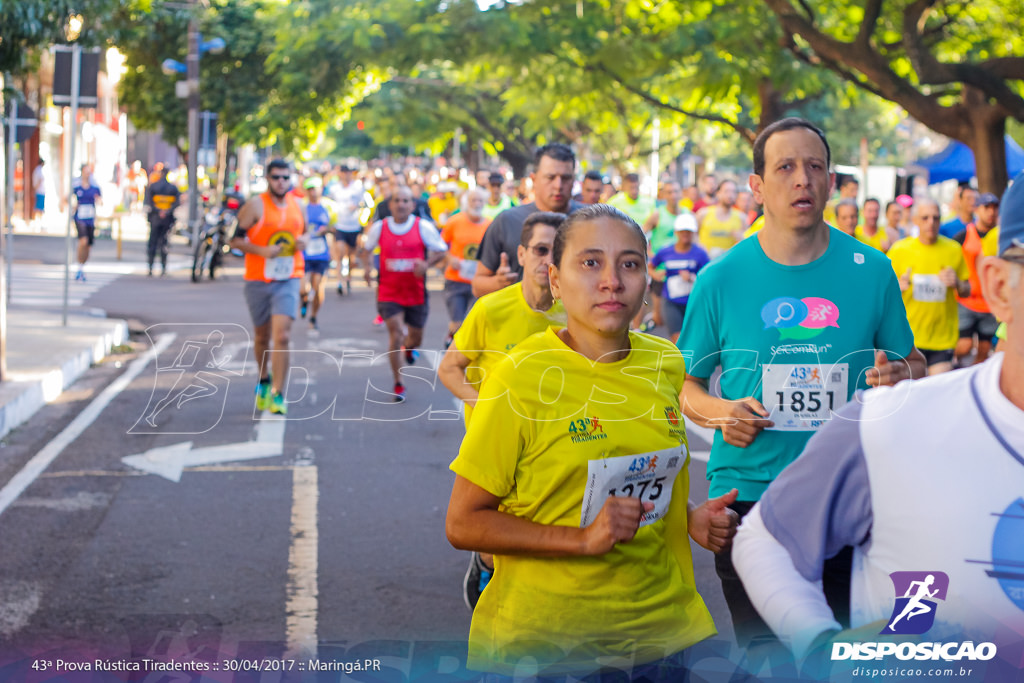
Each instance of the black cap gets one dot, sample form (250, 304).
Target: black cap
(496, 179)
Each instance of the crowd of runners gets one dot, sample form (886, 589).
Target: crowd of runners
(788, 321)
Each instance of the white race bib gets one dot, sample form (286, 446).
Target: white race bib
(86, 212)
(678, 286)
(927, 288)
(279, 268)
(399, 265)
(467, 269)
(317, 246)
(802, 397)
(648, 477)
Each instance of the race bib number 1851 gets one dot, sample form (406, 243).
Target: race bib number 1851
(803, 397)
(647, 476)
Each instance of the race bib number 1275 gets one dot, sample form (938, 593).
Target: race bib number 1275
(647, 476)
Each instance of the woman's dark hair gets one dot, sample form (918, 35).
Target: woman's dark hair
(590, 213)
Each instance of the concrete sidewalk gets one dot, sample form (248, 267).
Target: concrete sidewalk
(44, 358)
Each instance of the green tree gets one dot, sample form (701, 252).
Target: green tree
(957, 67)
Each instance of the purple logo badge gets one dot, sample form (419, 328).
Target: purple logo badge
(916, 593)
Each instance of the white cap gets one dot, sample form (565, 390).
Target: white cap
(686, 221)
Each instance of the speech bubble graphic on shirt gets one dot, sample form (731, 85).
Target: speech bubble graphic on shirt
(800, 319)
(786, 311)
(820, 313)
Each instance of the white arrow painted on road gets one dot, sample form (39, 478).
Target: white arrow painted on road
(169, 461)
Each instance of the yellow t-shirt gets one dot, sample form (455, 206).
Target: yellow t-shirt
(639, 210)
(873, 241)
(754, 227)
(544, 414)
(990, 242)
(494, 325)
(718, 236)
(931, 307)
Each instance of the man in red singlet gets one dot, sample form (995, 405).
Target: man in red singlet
(409, 245)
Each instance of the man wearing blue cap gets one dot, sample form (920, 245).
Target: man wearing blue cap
(924, 475)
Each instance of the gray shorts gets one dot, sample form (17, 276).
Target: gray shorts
(458, 297)
(972, 322)
(265, 299)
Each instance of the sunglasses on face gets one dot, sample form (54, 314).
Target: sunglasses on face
(540, 250)
(279, 177)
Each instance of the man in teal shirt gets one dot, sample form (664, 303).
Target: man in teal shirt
(798, 318)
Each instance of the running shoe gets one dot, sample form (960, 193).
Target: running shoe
(277, 406)
(647, 325)
(305, 305)
(313, 324)
(378, 320)
(447, 341)
(341, 290)
(399, 392)
(263, 396)
(411, 355)
(80, 275)
(477, 577)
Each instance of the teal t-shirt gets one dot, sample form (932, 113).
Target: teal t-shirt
(791, 337)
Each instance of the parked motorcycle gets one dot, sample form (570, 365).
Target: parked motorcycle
(218, 224)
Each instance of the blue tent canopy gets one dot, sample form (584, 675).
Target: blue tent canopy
(956, 162)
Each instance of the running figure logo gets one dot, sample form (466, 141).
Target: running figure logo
(916, 593)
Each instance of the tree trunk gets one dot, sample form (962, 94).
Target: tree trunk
(986, 138)
(773, 105)
(520, 163)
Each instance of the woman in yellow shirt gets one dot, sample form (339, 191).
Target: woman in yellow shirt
(573, 473)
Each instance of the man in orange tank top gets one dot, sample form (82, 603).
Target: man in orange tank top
(976, 320)
(270, 232)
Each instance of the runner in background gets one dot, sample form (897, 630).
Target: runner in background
(675, 267)
(870, 232)
(661, 233)
(463, 234)
(321, 220)
(497, 201)
(721, 226)
(932, 273)
(977, 324)
(495, 324)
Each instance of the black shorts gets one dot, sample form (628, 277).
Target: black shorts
(349, 238)
(318, 267)
(936, 357)
(657, 287)
(415, 316)
(971, 322)
(86, 230)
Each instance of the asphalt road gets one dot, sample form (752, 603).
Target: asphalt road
(331, 540)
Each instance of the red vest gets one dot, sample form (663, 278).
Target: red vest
(398, 254)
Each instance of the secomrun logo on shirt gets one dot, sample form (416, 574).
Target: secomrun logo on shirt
(800, 319)
(586, 429)
(917, 601)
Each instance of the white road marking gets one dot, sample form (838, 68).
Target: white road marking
(301, 593)
(19, 600)
(34, 467)
(83, 500)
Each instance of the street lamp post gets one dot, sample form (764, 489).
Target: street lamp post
(191, 91)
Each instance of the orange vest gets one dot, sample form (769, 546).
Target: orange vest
(277, 226)
(972, 252)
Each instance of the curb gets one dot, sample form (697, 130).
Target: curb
(31, 384)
